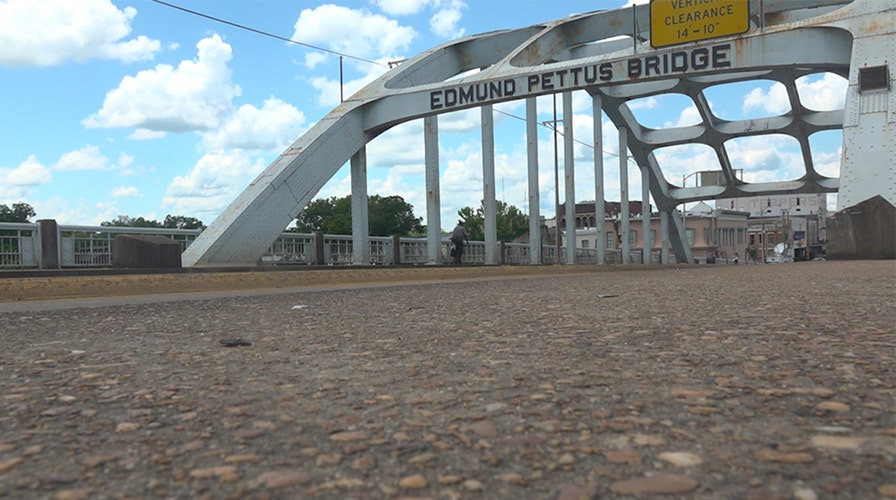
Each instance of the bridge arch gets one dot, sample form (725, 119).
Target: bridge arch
(608, 55)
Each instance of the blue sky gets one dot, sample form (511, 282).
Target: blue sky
(129, 107)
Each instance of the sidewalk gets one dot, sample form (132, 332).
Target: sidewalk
(706, 382)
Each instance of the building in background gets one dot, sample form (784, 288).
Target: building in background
(714, 234)
(796, 221)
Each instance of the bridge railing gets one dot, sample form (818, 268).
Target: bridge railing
(91, 247)
(19, 244)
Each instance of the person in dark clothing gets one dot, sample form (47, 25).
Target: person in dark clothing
(459, 239)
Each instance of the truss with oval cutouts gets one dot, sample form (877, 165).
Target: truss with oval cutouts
(594, 52)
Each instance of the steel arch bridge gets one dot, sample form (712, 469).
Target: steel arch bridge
(609, 55)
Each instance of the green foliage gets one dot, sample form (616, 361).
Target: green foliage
(386, 216)
(127, 221)
(171, 222)
(182, 222)
(474, 221)
(511, 222)
(20, 212)
(330, 215)
(392, 215)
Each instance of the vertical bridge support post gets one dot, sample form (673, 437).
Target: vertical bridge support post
(433, 202)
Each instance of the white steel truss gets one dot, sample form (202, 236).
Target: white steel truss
(608, 54)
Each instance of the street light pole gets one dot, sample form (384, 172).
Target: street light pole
(556, 183)
(684, 207)
(684, 213)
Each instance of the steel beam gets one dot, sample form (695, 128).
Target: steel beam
(788, 39)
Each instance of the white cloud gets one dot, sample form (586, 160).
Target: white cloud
(125, 160)
(312, 59)
(650, 102)
(142, 134)
(90, 158)
(824, 94)
(29, 173)
(75, 211)
(688, 116)
(828, 164)
(215, 180)
(125, 192)
(194, 96)
(274, 126)
(766, 158)
(353, 31)
(329, 91)
(17, 184)
(401, 145)
(401, 7)
(444, 22)
(463, 121)
(86, 158)
(48, 32)
(773, 102)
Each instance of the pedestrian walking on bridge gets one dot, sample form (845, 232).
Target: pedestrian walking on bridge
(459, 239)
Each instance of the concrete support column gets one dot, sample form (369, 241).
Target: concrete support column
(490, 222)
(599, 209)
(433, 201)
(569, 174)
(360, 209)
(396, 250)
(534, 197)
(623, 194)
(49, 243)
(664, 236)
(318, 255)
(645, 215)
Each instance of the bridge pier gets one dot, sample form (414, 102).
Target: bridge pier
(360, 209)
(433, 201)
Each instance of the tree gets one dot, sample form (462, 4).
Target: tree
(182, 222)
(330, 215)
(386, 216)
(20, 212)
(510, 221)
(392, 215)
(127, 221)
(171, 222)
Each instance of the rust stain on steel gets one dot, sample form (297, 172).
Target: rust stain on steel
(739, 46)
(615, 22)
(531, 53)
(774, 18)
(874, 27)
(465, 59)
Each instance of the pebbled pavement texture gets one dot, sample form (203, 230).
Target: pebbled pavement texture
(703, 382)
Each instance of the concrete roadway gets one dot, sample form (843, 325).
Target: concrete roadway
(695, 382)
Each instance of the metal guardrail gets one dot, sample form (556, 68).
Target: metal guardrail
(91, 247)
(19, 245)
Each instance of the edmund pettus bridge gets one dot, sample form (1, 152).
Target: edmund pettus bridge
(698, 382)
(615, 56)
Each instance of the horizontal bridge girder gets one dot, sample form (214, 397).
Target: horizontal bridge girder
(788, 39)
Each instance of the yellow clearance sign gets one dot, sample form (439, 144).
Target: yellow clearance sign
(680, 21)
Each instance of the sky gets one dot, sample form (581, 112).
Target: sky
(133, 108)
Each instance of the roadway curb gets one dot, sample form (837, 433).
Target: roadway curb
(25, 288)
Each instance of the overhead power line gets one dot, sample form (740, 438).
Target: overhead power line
(265, 33)
(561, 134)
(340, 54)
